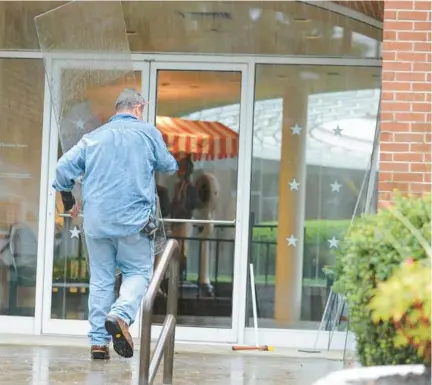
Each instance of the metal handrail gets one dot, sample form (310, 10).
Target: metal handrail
(165, 343)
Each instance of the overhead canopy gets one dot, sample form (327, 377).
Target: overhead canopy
(202, 140)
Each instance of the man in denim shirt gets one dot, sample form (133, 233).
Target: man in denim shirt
(118, 163)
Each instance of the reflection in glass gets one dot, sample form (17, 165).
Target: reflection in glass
(70, 269)
(204, 188)
(209, 149)
(215, 27)
(17, 19)
(21, 108)
(314, 128)
(248, 27)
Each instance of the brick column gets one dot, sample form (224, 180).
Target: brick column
(405, 141)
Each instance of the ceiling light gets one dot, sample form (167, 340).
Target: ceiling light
(204, 15)
(312, 37)
(282, 18)
(309, 75)
(255, 13)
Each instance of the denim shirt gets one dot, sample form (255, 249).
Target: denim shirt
(117, 163)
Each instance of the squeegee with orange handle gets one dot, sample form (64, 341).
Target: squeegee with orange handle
(263, 348)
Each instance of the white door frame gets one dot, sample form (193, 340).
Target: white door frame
(206, 334)
(149, 82)
(32, 325)
(238, 333)
(60, 326)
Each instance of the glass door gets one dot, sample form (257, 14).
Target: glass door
(22, 145)
(199, 108)
(66, 285)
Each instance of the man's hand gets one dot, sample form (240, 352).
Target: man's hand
(75, 210)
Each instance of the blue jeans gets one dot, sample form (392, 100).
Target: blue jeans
(134, 257)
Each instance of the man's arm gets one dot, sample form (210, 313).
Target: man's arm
(69, 167)
(165, 162)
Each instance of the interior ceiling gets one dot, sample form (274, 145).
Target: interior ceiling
(267, 27)
(183, 92)
(338, 95)
(247, 27)
(220, 27)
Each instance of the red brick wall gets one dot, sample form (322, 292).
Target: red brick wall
(405, 142)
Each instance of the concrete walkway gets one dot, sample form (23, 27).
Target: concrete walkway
(60, 365)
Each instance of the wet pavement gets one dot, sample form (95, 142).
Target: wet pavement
(20, 365)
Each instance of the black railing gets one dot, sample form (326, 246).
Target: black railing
(265, 271)
(262, 253)
(207, 290)
(218, 241)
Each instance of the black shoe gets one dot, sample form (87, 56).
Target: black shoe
(122, 340)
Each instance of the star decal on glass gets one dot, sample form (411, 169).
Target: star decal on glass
(80, 124)
(75, 232)
(335, 186)
(292, 241)
(337, 131)
(296, 129)
(333, 243)
(294, 185)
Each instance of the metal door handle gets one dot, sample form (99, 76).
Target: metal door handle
(199, 221)
(170, 220)
(68, 215)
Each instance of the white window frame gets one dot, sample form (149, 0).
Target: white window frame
(238, 333)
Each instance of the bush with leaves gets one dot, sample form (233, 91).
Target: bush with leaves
(374, 247)
(405, 300)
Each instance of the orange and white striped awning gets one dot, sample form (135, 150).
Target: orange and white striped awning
(202, 140)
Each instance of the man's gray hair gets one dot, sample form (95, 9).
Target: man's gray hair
(128, 99)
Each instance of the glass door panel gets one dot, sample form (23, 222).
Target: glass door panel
(313, 138)
(70, 273)
(199, 109)
(198, 113)
(20, 174)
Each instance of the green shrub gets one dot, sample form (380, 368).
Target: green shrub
(373, 248)
(405, 300)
